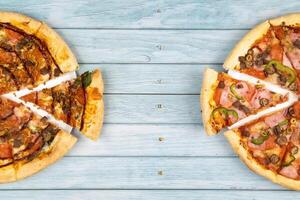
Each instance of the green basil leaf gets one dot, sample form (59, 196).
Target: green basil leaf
(86, 79)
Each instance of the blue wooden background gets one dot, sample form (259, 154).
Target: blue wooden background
(152, 54)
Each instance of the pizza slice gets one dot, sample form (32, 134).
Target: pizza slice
(31, 53)
(77, 102)
(269, 146)
(28, 142)
(225, 100)
(291, 162)
(270, 52)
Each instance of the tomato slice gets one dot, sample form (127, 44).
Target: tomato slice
(5, 151)
(217, 95)
(254, 72)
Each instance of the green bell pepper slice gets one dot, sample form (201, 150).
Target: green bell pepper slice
(233, 91)
(288, 160)
(282, 69)
(225, 112)
(263, 137)
(284, 122)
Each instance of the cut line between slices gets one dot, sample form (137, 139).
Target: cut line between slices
(292, 98)
(207, 92)
(17, 95)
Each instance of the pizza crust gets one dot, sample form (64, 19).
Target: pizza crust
(7, 174)
(244, 44)
(25, 23)
(209, 79)
(58, 48)
(288, 183)
(94, 108)
(257, 32)
(290, 19)
(246, 157)
(61, 144)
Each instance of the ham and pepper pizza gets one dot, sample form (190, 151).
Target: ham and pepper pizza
(268, 144)
(31, 55)
(231, 100)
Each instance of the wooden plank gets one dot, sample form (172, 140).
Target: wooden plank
(148, 194)
(191, 14)
(146, 173)
(151, 78)
(151, 46)
(152, 109)
(154, 140)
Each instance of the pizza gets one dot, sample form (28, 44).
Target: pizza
(268, 138)
(76, 102)
(41, 97)
(231, 100)
(28, 142)
(270, 52)
(270, 146)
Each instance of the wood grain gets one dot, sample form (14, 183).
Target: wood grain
(157, 14)
(151, 78)
(151, 46)
(146, 173)
(154, 140)
(152, 109)
(152, 55)
(148, 194)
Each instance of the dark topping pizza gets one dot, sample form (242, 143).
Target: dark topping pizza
(23, 135)
(24, 60)
(66, 101)
(31, 54)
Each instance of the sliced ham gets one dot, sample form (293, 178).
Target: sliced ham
(274, 119)
(293, 36)
(244, 90)
(294, 53)
(240, 113)
(286, 61)
(294, 56)
(289, 171)
(258, 68)
(259, 94)
(295, 137)
(225, 100)
(268, 144)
